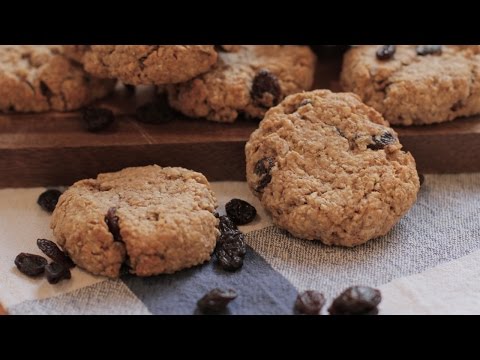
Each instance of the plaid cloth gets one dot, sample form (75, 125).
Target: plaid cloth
(428, 264)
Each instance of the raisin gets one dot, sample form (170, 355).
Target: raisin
(226, 224)
(379, 142)
(240, 211)
(386, 52)
(56, 272)
(263, 166)
(30, 264)
(51, 249)
(216, 300)
(305, 102)
(266, 89)
(356, 300)
(48, 200)
(309, 303)
(423, 50)
(231, 246)
(156, 112)
(421, 177)
(97, 119)
(112, 222)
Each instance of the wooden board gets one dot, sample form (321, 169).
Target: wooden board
(54, 149)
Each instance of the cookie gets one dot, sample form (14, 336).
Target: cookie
(154, 220)
(36, 78)
(327, 167)
(247, 79)
(145, 64)
(415, 85)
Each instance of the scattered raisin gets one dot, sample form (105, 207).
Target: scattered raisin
(421, 177)
(423, 50)
(49, 199)
(56, 272)
(216, 300)
(51, 249)
(112, 222)
(231, 247)
(266, 89)
(379, 142)
(264, 181)
(356, 300)
(240, 211)
(305, 102)
(30, 264)
(156, 112)
(309, 302)
(97, 119)
(386, 52)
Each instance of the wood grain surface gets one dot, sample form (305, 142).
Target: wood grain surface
(54, 148)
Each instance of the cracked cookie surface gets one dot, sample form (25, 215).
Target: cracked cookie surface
(327, 167)
(247, 79)
(413, 87)
(145, 64)
(37, 78)
(155, 220)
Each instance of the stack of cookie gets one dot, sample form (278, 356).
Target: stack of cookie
(218, 83)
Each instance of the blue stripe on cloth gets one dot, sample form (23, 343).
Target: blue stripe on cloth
(261, 289)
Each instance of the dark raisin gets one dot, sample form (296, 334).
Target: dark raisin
(216, 300)
(386, 52)
(56, 272)
(48, 200)
(51, 249)
(264, 181)
(231, 246)
(356, 300)
(240, 211)
(309, 302)
(156, 112)
(30, 264)
(423, 50)
(112, 222)
(45, 90)
(97, 119)
(266, 90)
(263, 166)
(421, 177)
(379, 142)
(457, 106)
(226, 224)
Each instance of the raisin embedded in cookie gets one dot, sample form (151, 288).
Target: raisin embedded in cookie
(145, 64)
(327, 167)
(154, 220)
(247, 79)
(37, 78)
(415, 85)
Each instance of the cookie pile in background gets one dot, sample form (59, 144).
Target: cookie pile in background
(415, 84)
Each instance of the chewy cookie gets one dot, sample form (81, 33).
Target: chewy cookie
(36, 78)
(247, 79)
(145, 64)
(327, 167)
(414, 85)
(155, 220)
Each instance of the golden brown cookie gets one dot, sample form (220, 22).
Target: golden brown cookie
(248, 79)
(154, 220)
(145, 64)
(327, 167)
(415, 85)
(36, 78)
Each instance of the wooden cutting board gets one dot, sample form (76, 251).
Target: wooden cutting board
(54, 149)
